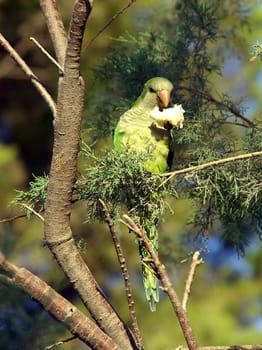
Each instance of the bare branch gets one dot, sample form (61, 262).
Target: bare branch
(57, 230)
(47, 54)
(210, 98)
(232, 110)
(224, 347)
(210, 164)
(122, 263)
(74, 320)
(166, 283)
(107, 24)
(28, 72)
(33, 211)
(6, 65)
(233, 123)
(56, 28)
(12, 218)
(195, 262)
(58, 343)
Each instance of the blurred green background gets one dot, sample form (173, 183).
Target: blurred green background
(226, 300)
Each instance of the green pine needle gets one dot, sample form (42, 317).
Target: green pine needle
(119, 179)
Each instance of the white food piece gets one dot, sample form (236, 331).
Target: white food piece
(173, 115)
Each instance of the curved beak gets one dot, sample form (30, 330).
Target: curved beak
(163, 99)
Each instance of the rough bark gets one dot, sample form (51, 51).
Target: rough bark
(58, 233)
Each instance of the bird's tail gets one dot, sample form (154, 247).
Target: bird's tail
(150, 280)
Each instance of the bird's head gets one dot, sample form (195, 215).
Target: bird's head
(156, 92)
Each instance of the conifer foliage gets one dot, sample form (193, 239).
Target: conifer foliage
(188, 45)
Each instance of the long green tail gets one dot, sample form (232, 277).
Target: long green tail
(151, 282)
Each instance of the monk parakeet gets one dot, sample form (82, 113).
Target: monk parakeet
(145, 129)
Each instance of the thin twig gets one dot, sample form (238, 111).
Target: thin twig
(60, 342)
(225, 347)
(46, 53)
(126, 277)
(166, 283)
(56, 28)
(213, 99)
(210, 164)
(232, 110)
(33, 211)
(234, 123)
(12, 218)
(28, 72)
(107, 24)
(195, 262)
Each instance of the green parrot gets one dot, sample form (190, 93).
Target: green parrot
(140, 132)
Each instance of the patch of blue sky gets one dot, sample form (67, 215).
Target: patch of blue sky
(231, 67)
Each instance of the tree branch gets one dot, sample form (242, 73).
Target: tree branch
(107, 24)
(33, 211)
(60, 342)
(12, 218)
(74, 320)
(122, 263)
(56, 28)
(194, 263)
(210, 98)
(166, 283)
(6, 65)
(233, 123)
(28, 72)
(224, 347)
(210, 164)
(58, 233)
(46, 53)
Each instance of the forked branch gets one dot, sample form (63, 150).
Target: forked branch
(57, 227)
(29, 74)
(165, 281)
(60, 308)
(123, 266)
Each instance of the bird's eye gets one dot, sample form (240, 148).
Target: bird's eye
(151, 90)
